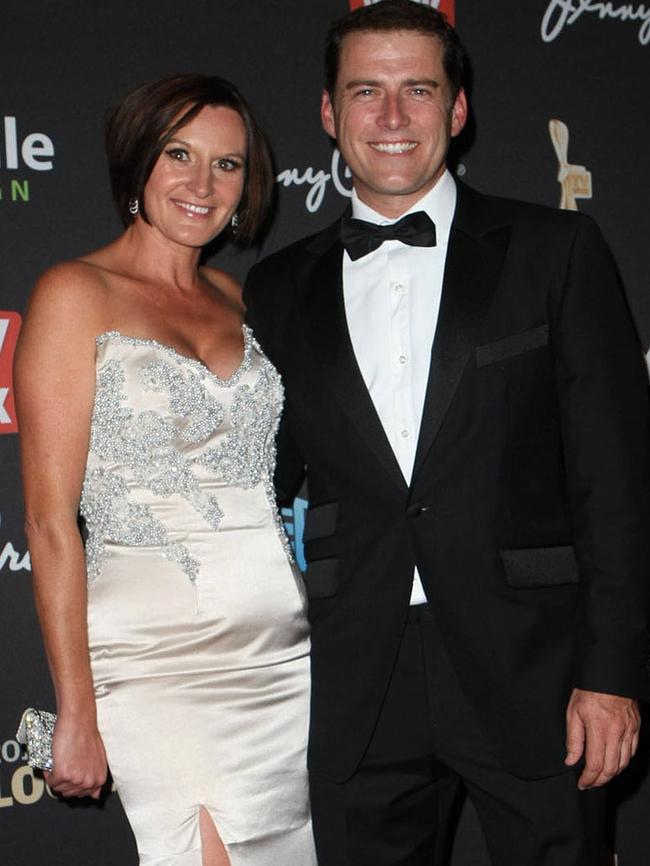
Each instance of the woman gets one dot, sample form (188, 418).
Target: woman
(178, 643)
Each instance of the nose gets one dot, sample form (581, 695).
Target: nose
(393, 115)
(201, 180)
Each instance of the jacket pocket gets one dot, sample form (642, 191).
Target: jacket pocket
(533, 567)
(321, 521)
(321, 579)
(510, 347)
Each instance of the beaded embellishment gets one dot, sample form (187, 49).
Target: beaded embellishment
(146, 449)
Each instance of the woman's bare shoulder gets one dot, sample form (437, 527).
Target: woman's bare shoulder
(71, 280)
(72, 294)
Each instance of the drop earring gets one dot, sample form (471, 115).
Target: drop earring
(134, 206)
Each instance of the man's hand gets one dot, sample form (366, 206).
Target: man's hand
(605, 728)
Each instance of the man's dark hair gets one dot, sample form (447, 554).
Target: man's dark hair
(141, 125)
(390, 15)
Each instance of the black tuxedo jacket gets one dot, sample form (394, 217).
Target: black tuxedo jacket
(527, 514)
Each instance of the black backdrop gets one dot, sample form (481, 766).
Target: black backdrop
(580, 62)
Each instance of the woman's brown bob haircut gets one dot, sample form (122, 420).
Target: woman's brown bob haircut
(141, 125)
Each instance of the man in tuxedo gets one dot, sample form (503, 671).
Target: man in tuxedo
(466, 393)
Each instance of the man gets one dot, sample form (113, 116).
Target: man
(478, 529)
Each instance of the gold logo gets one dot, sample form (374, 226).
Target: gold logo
(575, 180)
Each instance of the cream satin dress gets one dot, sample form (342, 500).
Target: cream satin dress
(196, 613)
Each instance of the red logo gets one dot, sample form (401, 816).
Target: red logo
(447, 7)
(9, 328)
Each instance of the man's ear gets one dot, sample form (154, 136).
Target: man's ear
(459, 113)
(327, 114)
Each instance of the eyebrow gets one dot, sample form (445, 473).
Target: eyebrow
(413, 82)
(182, 141)
(408, 82)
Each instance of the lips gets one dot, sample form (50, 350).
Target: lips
(194, 209)
(393, 147)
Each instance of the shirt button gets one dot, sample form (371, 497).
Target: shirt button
(399, 288)
(404, 433)
(402, 359)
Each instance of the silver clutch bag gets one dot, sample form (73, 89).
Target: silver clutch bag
(35, 732)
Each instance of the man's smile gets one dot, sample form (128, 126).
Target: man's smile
(393, 147)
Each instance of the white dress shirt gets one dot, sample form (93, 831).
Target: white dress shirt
(392, 300)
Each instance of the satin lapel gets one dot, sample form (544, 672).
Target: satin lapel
(471, 275)
(324, 316)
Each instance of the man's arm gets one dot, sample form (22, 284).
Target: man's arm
(290, 463)
(602, 387)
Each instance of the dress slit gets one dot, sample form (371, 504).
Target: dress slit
(217, 853)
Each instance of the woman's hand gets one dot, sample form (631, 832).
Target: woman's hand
(80, 768)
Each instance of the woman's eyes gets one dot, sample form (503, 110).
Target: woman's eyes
(229, 164)
(224, 164)
(177, 153)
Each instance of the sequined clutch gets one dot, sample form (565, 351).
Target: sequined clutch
(35, 732)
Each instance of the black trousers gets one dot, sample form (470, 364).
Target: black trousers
(393, 811)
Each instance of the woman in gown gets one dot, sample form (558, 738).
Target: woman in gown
(177, 640)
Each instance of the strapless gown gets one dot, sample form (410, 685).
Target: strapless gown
(196, 613)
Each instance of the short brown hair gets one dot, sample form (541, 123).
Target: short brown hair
(140, 126)
(391, 15)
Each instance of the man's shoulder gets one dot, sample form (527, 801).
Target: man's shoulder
(484, 212)
(311, 247)
(277, 281)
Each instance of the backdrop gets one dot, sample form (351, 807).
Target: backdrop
(560, 101)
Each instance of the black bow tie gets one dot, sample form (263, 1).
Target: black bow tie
(360, 237)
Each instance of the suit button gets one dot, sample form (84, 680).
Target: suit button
(416, 509)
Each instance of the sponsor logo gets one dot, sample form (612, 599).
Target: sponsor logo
(447, 7)
(12, 558)
(33, 151)
(562, 13)
(574, 180)
(18, 784)
(294, 524)
(317, 181)
(9, 328)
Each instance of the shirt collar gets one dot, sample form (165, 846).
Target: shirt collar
(439, 203)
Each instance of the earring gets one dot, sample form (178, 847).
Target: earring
(234, 222)
(134, 206)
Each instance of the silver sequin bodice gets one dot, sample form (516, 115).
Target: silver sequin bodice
(176, 452)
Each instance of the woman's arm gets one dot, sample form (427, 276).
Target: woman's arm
(55, 384)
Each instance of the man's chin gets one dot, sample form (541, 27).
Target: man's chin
(403, 188)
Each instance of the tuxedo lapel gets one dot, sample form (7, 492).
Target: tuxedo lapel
(326, 325)
(474, 262)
